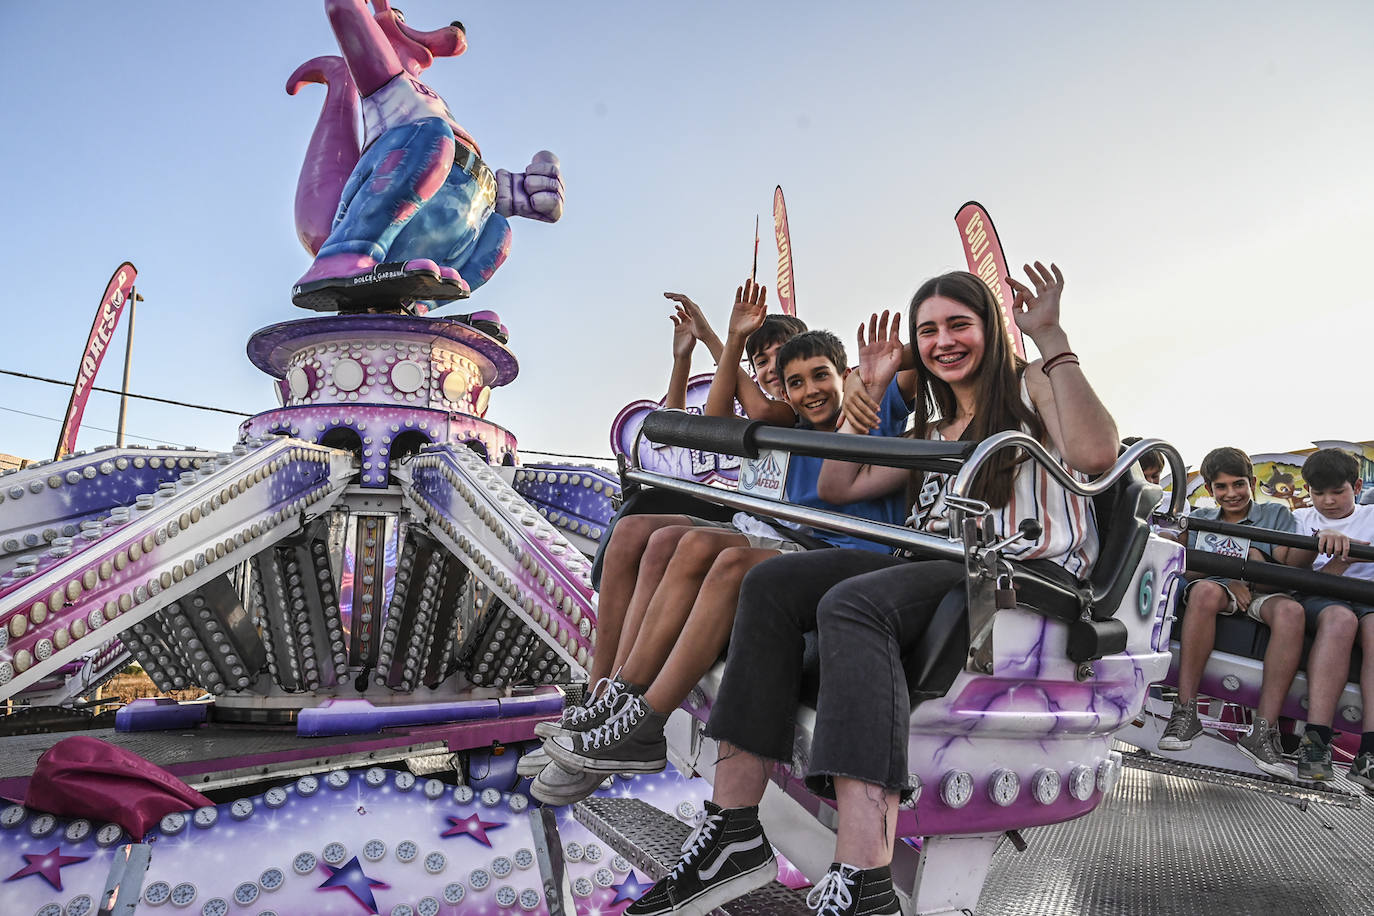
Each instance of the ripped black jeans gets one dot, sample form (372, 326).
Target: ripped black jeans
(869, 610)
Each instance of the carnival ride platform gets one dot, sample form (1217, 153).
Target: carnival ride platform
(1164, 842)
(213, 757)
(1166, 845)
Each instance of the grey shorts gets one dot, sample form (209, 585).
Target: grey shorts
(763, 542)
(1232, 605)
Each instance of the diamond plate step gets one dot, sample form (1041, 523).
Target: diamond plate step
(1300, 791)
(652, 841)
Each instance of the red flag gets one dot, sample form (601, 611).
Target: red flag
(984, 254)
(117, 292)
(786, 296)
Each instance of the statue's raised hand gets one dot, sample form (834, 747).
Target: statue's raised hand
(536, 193)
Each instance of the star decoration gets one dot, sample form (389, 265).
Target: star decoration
(47, 864)
(472, 826)
(629, 889)
(352, 879)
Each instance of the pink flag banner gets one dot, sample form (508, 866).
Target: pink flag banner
(117, 292)
(786, 294)
(983, 251)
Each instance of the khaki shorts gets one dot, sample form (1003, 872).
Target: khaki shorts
(782, 545)
(1257, 602)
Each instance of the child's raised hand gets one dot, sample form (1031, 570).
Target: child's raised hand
(860, 409)
(697, 324)
(751, 304)
(880, 353)
(1037, 311)
(683, 338)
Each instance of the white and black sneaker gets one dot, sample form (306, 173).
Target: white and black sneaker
(557, 786)
(849, 891)
(727, 856)
(532, 763)
(596, 709)
(631, 741)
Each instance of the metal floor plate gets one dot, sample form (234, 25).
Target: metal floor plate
(1168, 846)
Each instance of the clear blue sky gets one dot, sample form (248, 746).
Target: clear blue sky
(1202, 173)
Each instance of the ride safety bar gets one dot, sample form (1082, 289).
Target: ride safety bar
(1101, 484)
(736, 436)
(893, 535)
(1284, 577)
(1280, 538)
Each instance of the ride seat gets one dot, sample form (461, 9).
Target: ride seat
(1241, 635)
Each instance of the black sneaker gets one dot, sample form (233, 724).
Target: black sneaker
(849, 891)
(631, 741)
(727, 856)
(592, 712)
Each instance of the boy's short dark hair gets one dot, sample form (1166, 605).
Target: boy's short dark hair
(1226, 460)
(1153, 460)
(809, 344)
(1329, 468)
(775, 329)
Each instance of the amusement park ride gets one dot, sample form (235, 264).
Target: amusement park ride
(381, 602)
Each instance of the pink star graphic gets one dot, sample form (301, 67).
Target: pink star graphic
(472, 826)
(47, 864)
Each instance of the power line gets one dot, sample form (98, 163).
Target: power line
(141, 397)
(236, 413)
(39, 416)
(535, 451)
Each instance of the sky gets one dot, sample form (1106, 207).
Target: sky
(1202, 173)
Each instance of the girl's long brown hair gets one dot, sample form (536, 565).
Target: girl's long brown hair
(997, 397)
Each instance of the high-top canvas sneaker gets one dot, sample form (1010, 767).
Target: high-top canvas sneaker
(727, 856)
(631, 741)
(592, 712)
(849, 891)
(557, 786)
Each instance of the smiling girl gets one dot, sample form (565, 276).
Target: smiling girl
(871, 609)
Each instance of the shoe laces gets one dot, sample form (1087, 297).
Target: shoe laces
(617, 725)
(831, 897)
(1179, 720)
(609, 694)
(696, 841)
(1312, 751)
(1266, 739)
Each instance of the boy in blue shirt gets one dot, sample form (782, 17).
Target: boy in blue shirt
(689, 617)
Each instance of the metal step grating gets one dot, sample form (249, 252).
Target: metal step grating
(652, 841)
(1329, 794)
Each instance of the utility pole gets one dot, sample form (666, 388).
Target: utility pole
(134, 299)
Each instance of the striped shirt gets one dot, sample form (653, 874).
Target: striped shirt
(1069, 527)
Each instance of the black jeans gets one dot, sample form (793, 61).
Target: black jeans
(869, 609)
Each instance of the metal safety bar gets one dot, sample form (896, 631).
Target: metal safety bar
(1267, 536)
(894, 535)
(1103, 483)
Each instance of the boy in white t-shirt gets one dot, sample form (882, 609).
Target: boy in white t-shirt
(1333, 479)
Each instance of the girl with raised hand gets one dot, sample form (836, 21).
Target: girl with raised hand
(871, 609)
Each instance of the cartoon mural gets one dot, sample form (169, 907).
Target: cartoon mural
(1278, 475)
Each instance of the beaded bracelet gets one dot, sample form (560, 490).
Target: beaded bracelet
(1068, 356)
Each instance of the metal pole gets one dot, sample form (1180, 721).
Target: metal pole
(134, 299)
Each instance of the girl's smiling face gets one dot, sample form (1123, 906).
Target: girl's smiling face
(949, 339)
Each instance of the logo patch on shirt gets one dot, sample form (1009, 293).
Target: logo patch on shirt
(1224, 545)
(766, 475)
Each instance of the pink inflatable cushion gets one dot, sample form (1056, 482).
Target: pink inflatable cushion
(86, 777)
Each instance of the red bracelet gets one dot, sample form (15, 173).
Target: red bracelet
(1068, 356)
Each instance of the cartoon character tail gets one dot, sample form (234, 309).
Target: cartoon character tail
(333, 149)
